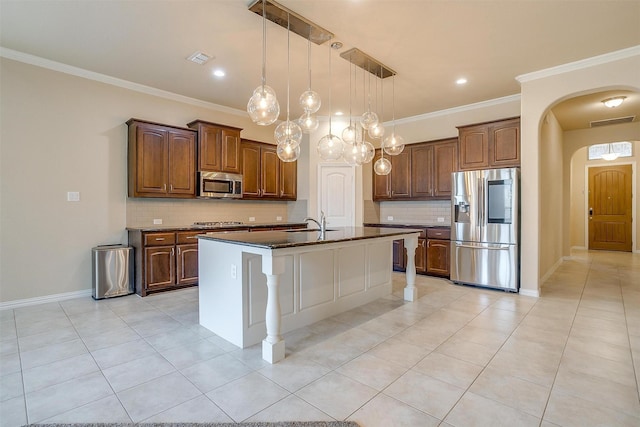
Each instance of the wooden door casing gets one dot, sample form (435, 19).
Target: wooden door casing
(610, 208)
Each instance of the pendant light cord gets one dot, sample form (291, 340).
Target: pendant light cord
(264, 44)
(309, 59)
(288, 61)
(330, 112)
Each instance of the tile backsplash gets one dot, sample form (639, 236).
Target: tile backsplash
(175, 212)
(413, 212)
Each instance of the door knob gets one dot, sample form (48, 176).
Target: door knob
(590, 211)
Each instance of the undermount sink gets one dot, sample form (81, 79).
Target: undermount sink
(305, 230)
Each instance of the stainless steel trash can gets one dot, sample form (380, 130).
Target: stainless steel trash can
(112, 271)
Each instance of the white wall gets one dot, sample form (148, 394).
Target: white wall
(540, 92)
(60, 133)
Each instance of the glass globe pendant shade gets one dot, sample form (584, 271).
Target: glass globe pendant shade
(350, 134)
(393, 144)
(288, 151)
(382, 166)
(369, 119)
(376, 131)
(263, 107)
(368, 150)
(353, 154)
(308, 123)
(310, 101)
(288, 131)
(330, 148)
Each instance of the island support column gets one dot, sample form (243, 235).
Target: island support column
(410, 291)
(273, 344)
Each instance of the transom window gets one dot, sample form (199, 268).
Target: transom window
(611, 150)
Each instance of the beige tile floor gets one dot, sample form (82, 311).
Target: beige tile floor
(459, 356)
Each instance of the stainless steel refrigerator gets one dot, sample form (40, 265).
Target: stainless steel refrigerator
(485, 207)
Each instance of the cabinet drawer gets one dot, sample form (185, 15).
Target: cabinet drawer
(439, 233)
(159, 239)
(186, 237)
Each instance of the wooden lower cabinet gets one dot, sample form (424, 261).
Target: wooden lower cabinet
(438, 257)
(187, 264)
(399, 255)
(421, 256)
(159, 267)
(432, 253)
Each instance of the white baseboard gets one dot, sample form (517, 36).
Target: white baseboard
(530, 292)
(9, 305)
(553, 268)
(580, 248)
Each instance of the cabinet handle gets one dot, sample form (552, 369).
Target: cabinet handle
(159, 239)
(164, 187)
(172, 251)
(178, 251)
(191, 237)
(170, 187)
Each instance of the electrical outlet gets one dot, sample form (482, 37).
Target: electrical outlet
(234, 271)
(73, 196)
(389, 218)
(440, 219)
(252, 219)
(157, 221)
(278, 218)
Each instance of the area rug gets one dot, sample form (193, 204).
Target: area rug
(254, 424)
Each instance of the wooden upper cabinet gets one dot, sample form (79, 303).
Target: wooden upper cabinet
(381, 183)
(490, 145)
(401, 175)
(504, 143)
(421, 171)
(218, 147)
(265, 176)
(161, 160)
(445, 162)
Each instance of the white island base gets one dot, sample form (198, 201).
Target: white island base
(250, 293)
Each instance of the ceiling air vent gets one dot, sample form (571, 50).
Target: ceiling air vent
(617, 121)
(199, 57)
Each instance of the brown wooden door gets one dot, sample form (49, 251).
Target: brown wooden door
(151, 161)
(250, 169)
(421, 171)
(159, 266)
(187, 264)
(445, 161)
(401, 175)
(381, 183)
(209, 148)
(438, 252)
(181, 163)
(230, 150)
(474, 147)
(610, 208)
(288, 180)
(270, 171)
(504, 144)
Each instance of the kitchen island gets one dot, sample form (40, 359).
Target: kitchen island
(256, 286)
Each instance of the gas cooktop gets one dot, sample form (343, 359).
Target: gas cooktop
(216, 223)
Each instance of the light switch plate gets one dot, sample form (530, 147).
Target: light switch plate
(252, 219)
(440, 219)
(157, 221)
(73, 196)
(389, 218)
(278, 218)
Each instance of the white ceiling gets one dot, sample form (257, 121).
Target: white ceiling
(428, 43)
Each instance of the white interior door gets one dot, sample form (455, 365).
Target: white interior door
(337, 191)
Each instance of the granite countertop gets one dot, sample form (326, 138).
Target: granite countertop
(292, 238)
(397, 225)
(230, 227)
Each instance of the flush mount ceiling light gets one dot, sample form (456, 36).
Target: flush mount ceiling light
(461, 81)
(219, 73)
(199, 58)
(614, 102)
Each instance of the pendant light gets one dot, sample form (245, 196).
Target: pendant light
(382, 166)
(394, 143)
(377, 131)
(349, 134)
(263, 107)
(369, 118)
(309, 101)
(330, 146)
(288, 134)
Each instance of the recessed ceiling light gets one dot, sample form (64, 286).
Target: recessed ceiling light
(461, 81)
(338, 113)
(218, 73)
(199, 57)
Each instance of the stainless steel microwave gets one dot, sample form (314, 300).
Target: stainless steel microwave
(216, 185)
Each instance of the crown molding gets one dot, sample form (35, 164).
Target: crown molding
(581, 64)
(103, 78)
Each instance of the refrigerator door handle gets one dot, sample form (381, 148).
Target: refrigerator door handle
(494, 248)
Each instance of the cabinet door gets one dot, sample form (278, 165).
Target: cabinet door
(421, 171)
(401, 175)
(399, 255)
(159, 266)
(230, 150)
(187, 264)
(181, 164)
(270, 172)
(381, 183)
(151, 161)
(209, 157)
(250, 170)
(504, 144)
(445, 161)
(288, 180)
(438, 257)
(474, 147)
(421, 256)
